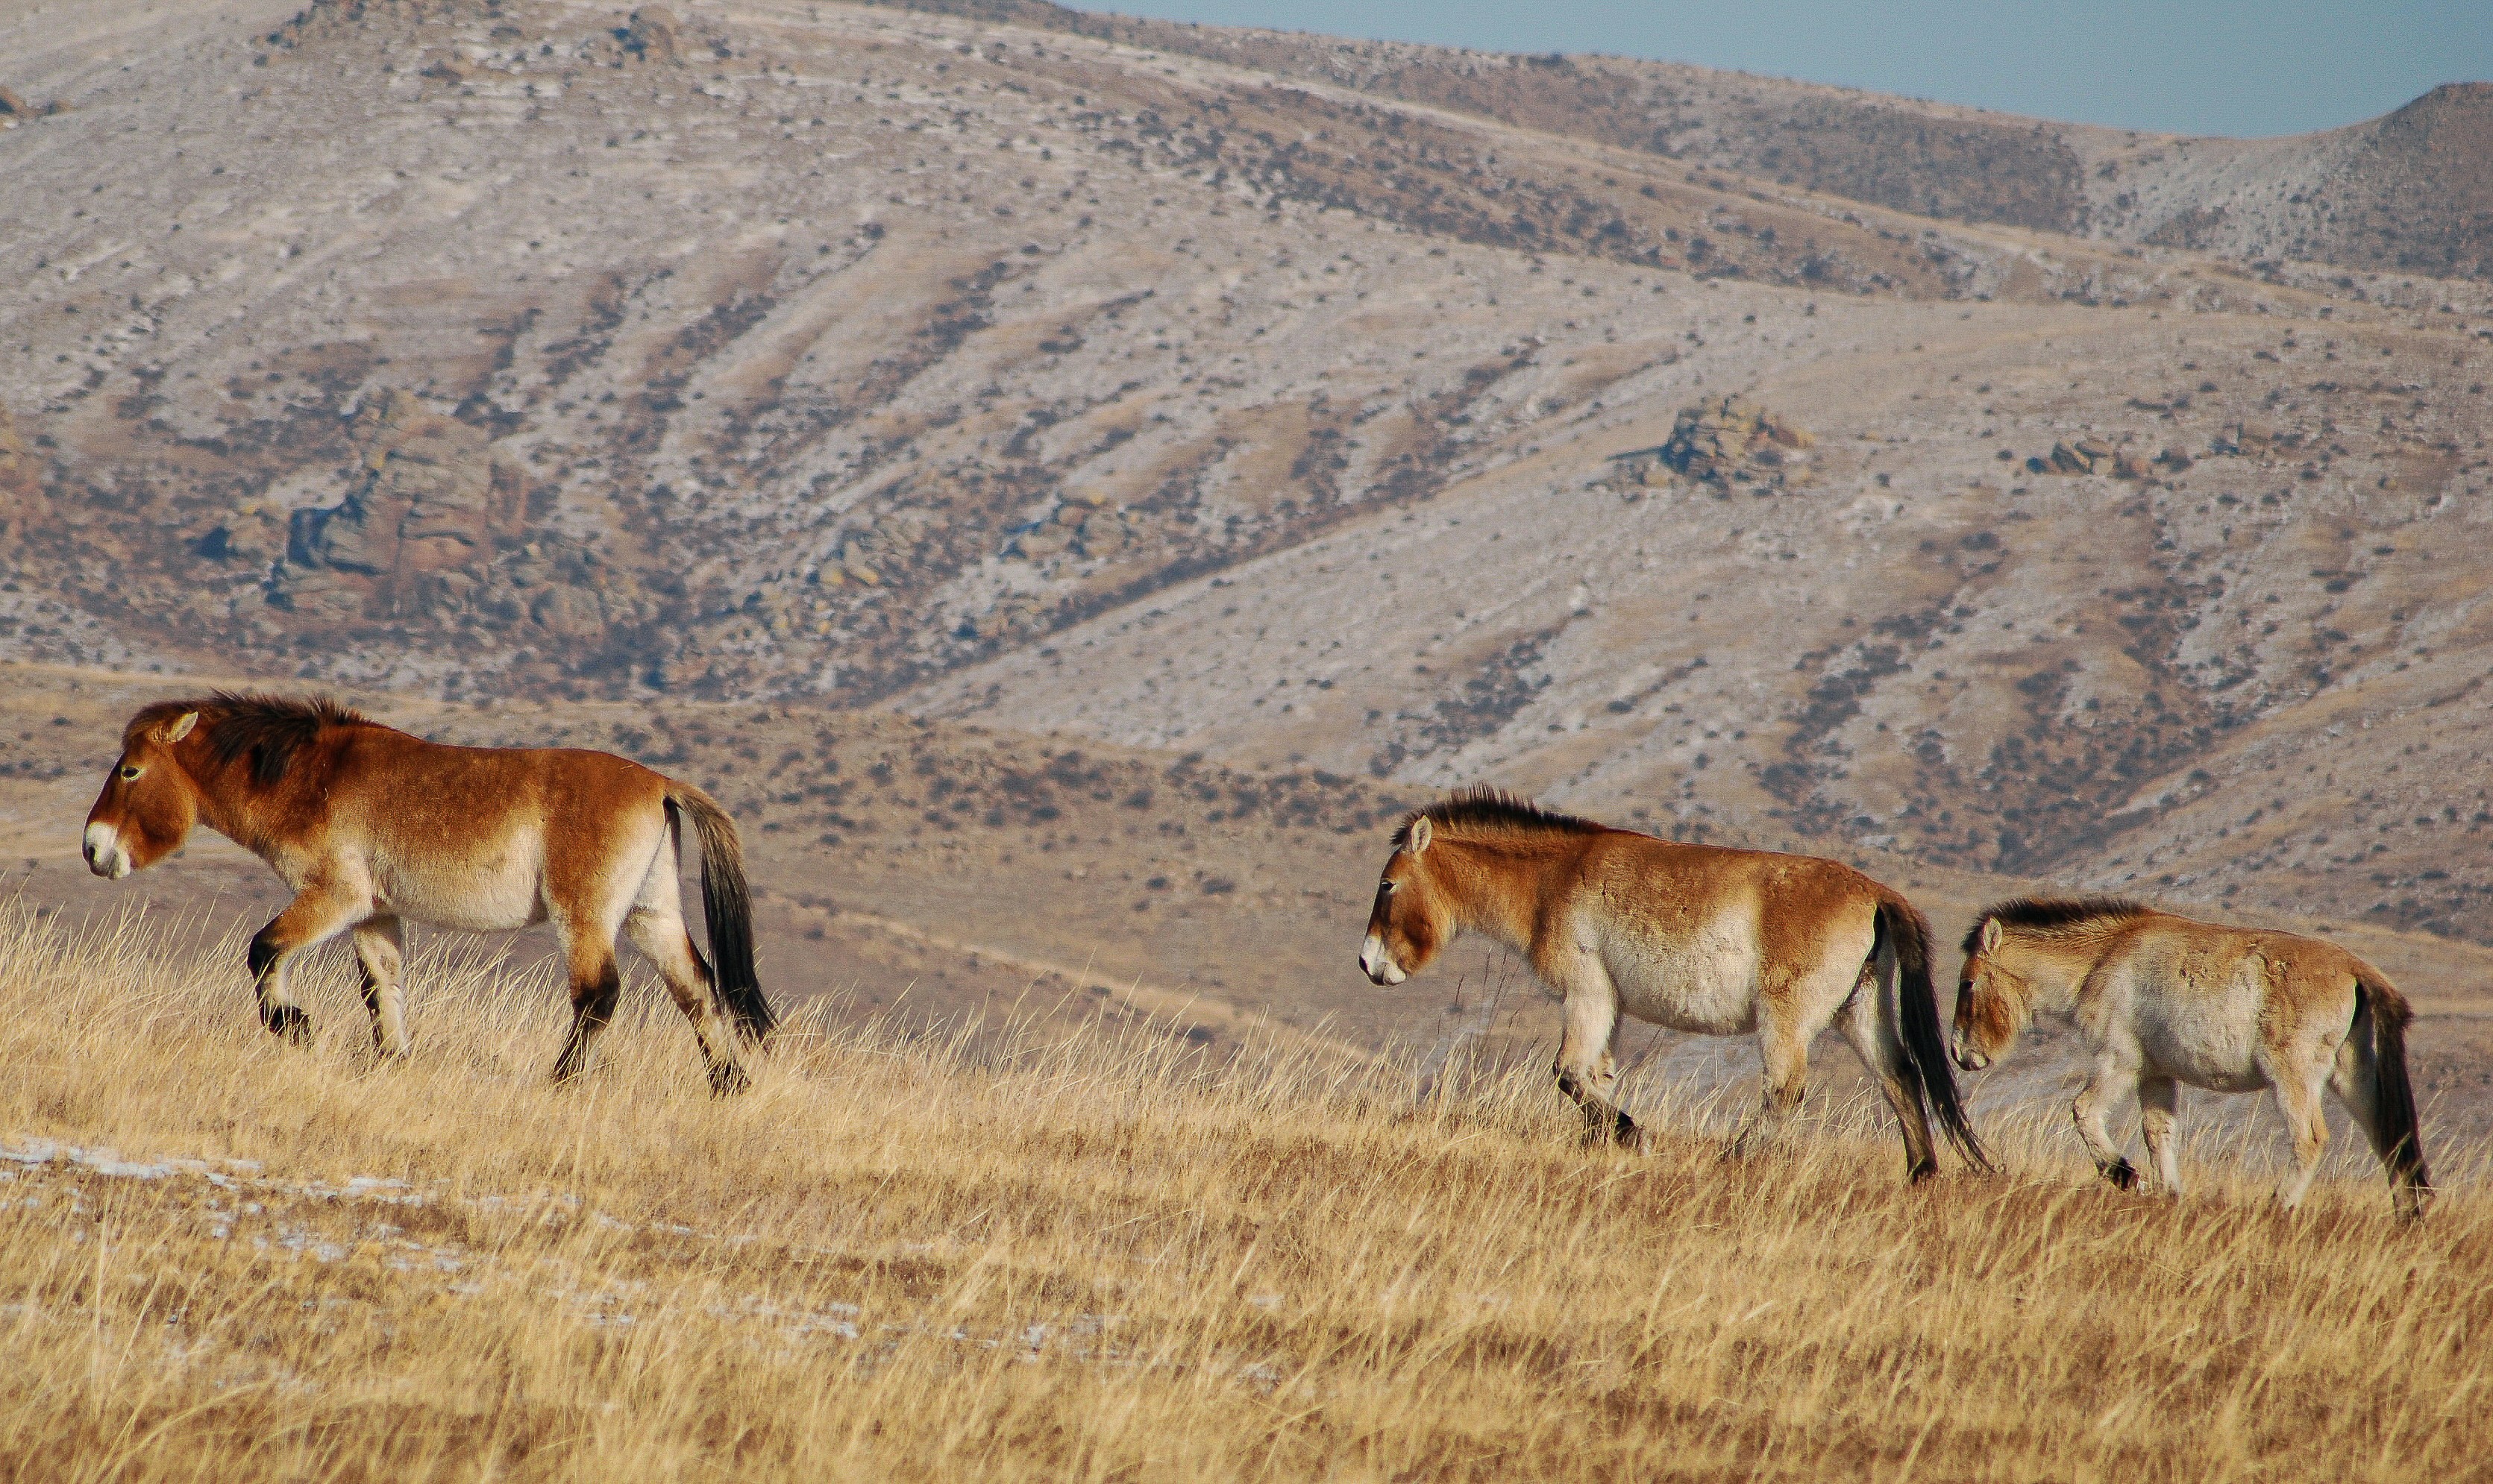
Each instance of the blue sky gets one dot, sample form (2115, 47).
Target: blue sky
(2229, 68)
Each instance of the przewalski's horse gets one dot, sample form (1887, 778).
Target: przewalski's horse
(372, 827)
(2163, 1000)
(1695, 937)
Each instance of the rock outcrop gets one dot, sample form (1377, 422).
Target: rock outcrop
(1725, 442)
(417, 530)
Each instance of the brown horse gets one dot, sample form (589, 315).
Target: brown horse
(1695, 937)
(372, 827)
(2163, 1000)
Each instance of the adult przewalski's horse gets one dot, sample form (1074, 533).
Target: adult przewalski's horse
(372, 827)
(1695, 937)
(2163, 1000)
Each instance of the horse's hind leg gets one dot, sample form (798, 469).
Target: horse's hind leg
(1868, 1023)
(660, 933)
(595, 985)
(2355, 1077)
(2297, 1098)
(318, 912)
(2159, 1108)
(380, 952)
(1786, 1053)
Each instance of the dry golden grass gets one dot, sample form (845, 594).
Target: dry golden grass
(1100, 1256)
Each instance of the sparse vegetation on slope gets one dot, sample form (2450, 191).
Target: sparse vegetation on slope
(1093, 1256)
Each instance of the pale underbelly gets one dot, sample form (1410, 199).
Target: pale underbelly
(493, 904)
(2204, 1057)
(1700, 999)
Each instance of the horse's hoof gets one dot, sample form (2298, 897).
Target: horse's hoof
(727, 1080)
(1923, 1173)
(2122, 1175)
(288, 1023)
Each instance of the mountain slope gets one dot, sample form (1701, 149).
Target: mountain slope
(840, 356)
(2408, 193)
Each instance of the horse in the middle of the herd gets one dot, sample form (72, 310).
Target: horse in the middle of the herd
(1702, 939)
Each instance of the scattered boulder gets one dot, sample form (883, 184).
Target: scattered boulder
(651, 36)
(1078, 527)
(1723, 441)
(19, 470)
(13, 107)
(20, 479)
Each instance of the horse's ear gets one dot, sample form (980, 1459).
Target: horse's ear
(1989, 942)
(181, 728)
(1420, 835)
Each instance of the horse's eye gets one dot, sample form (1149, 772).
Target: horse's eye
(129, 772)
(1385, 886)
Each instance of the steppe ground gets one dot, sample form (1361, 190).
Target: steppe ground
(1098, 1252)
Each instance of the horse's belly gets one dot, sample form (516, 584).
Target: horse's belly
(2220, 1057)
(496, 899)
(1704, 990)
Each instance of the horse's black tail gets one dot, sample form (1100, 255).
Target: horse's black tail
(2396, 1129)
(727, 905)
(1917, 1005)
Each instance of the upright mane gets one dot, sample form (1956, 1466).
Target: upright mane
(1493, 811)
(2053, 914)
(271, 728)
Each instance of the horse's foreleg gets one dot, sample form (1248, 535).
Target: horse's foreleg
(318, 912)
(595, 985)
(380, 952)
(1587, 1068)
(661, 935)
(2159, 1106)
(2093, 1102)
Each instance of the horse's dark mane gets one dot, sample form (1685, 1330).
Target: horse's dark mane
(271, 728)
(1493, 809)
(2050, 912)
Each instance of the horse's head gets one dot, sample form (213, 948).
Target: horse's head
(1992, 1003)
(148, 802)
(1412, 918)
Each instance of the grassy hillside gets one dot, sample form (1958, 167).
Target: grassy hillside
(1093, 1255)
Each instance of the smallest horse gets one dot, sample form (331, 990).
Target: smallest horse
(371, 827)
(2163, 1000)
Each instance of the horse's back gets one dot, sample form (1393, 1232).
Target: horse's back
(2213, 1005)
(491, 837)
(1695, 934)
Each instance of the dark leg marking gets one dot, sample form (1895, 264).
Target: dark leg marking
(291, 1023)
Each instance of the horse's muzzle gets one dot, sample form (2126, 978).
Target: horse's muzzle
(1379, 965)
(104, 853)
(1968, 1058)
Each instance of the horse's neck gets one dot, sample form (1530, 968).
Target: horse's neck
(2055, 970)
(240, 810)
(1498, 893)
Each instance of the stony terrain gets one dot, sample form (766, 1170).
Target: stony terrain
(1176, 396)
(2411, 192)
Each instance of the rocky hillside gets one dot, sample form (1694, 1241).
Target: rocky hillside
(2411, 192)
(837, 356)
